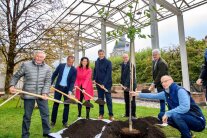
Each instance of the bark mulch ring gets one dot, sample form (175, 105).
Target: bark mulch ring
(84, 128)
(144, 125)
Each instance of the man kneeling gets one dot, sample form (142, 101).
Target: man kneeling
(183, 113)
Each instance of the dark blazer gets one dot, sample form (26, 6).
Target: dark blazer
(203, 74)
(103, 73)
(125, 76)
(71, 76)
(159, 70)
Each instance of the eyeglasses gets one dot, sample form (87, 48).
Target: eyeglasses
(165, 81)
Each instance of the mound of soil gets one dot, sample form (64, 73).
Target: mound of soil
(84, 128)
(144, 125)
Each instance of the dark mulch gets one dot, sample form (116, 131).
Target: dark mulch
(144, 125)
(84, 128)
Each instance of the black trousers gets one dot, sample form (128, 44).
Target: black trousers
(133, 103)
(80, 106)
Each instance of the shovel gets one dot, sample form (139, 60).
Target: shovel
(71, 99)
(101, 86)
(40, 96)
(98, 101)
(9, 99)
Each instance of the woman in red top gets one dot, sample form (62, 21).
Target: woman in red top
(84, 81)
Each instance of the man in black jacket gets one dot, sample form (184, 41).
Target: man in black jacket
(159, 69)
(125, 81)
(103, 75)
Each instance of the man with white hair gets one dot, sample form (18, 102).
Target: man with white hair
(37, 79)
(159, 69)
(125, 81)
(183, 113)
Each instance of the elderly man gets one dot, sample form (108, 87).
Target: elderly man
(125, 81)
(37, 79)
(159, 69)
(183, 113)
(66, 76)
(103, 75)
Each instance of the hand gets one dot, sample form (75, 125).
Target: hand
(102, 86)
(83, 90)
(152, 86)
(94, 81)
(199, 82)
(132, 93)
(44, 96)
(69, 94)
(12, 90)
(164, 119)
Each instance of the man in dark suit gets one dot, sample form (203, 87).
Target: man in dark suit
(125, 81)
(159, 69)
(66, 76)
(103, 75)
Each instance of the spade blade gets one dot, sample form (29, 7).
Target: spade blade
(88, 104)
(100, 101)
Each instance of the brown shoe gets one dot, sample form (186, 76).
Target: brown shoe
(100, 117)
(111, 118)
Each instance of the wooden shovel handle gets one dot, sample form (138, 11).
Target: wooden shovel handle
(84, 92)
(39, 96)
(101, 86)
(66, 95)
(9, 99)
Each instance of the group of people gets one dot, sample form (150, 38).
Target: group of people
(182, 113)
(38, 78)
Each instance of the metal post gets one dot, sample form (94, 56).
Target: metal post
(183, 52)
(76, 51)
(83, 52)
(153, 25)
(103, 36)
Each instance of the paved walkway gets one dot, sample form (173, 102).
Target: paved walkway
(146, 103)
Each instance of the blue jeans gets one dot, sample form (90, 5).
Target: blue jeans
(56, 105)
(186, 122)
(101, 94)
(44, 113)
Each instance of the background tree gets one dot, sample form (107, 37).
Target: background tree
(21, 22)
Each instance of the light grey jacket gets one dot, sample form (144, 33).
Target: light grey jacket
(37, 78)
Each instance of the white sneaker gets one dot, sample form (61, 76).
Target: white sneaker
(80, 118)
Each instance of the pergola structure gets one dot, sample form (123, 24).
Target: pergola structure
(89, 28)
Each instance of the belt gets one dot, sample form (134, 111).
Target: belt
(63, 86)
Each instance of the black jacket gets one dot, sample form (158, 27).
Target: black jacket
(159, 70)
(103, 73)
(125, 76)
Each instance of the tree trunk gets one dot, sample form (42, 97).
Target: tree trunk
(9, 71)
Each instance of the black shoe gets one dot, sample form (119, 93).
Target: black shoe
(52, 124)
(65, 125)
(48, 136)
(125, 116)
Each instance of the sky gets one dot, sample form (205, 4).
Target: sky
(195, 23)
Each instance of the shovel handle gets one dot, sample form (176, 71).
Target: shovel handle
(101, 86)
(39, 96)
(85, 92)
(66, 95)
(9, 99)
(123, 87)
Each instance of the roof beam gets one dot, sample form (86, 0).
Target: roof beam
(169, 7)
(90, 40)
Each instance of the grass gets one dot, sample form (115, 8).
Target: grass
(11, 119)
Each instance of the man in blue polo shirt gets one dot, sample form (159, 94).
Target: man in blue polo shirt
(66, 76)
(183, 113)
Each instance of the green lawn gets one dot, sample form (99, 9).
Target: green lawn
(11, 119)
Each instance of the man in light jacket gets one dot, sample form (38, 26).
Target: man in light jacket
(37, 79)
